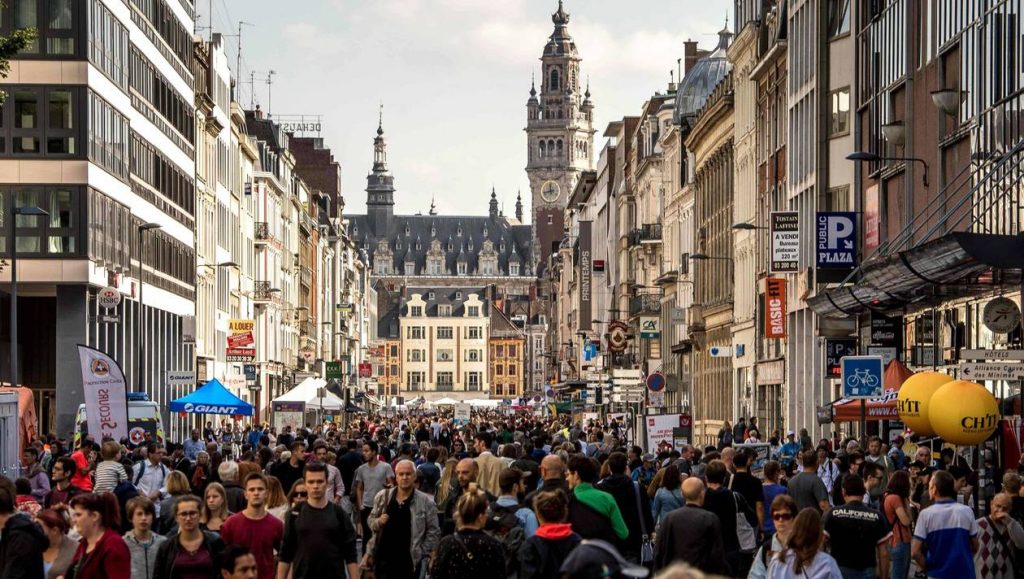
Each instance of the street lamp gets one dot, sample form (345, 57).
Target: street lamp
(705, 257)
(28, 211)
(747, 226)
(140, 364)
(873, 158)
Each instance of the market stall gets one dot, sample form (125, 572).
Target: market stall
(212, 398)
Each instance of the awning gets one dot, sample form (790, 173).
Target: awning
(958, 264)
(212, 398)
(570, 385)
(883, 408)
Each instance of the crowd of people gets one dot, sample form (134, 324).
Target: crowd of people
(412, 496)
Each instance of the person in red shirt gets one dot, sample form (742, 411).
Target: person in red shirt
(255, 528)
(102, 552)
(85, 461)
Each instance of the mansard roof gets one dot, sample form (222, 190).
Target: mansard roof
(409, 237)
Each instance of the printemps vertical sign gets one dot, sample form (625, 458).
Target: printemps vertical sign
(586, 276)
(775, 307)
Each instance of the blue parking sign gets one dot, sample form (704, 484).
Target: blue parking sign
(836, 240)
(862, 376)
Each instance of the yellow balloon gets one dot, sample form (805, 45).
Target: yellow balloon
(913, 399)
(963, 412)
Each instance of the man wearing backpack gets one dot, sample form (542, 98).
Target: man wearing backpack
(150, 474)
(510, 522)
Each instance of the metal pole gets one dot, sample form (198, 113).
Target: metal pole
(139, 365)
(14, 299)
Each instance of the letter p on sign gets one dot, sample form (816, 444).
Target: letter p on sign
(839, 227)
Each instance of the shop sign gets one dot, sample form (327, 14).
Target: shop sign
(773, 372)
(775, 307)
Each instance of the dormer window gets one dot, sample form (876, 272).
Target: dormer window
(502, 246)
(407, 230)
(462, 268)
(430, 296)
(418, 245)
(433, 231)
(513, 269)
(459, 231)
(410, 268)
(450, 246)
(458, 295)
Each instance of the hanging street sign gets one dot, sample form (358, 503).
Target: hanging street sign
(991, 371)
(108, 298)
(784, 230)
(992, 355)
(862, 376)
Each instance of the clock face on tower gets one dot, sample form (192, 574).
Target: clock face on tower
(549, 191)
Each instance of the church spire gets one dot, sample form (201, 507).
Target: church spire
(494, 204)
(380, 148)
(519, 206)
(380, 185)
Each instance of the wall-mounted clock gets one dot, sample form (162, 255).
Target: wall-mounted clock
(549, 191)
(1001, 315)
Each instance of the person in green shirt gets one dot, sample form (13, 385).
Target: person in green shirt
(593, 513)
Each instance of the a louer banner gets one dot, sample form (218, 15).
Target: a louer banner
(106, 401)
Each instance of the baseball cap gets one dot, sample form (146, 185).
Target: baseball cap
(649, 457)
(790, 433)
(596, 558)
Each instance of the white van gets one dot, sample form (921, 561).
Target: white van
(143, 417)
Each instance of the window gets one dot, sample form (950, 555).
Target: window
(410, 268)
(108, 44)
(444, 380)
(394, 351)
(474, 333)
(393, 370)
(838, 17)
(414, 380)
(415, 333)
(167, 25)
(415, 355)
(840, 119)
(473, 311)
(444, 355)
(430, 296)
(512, 349)
(513, 269)
(458, 295)
(499, 351)
(161, 97)
(462, 268)
(473, 380)
(444, 333)
(499, 370)
(553, 83)
(511, 369)
(55, 22)
(444, 310)
(473, 355)
(434, 267)
(61, 233)
(109, 137)
(41, 121)
(416, 311)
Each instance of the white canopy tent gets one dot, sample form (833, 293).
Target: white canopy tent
(483, 402)
(306, 392)
(443, 402)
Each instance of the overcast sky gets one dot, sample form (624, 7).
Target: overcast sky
(453, 75)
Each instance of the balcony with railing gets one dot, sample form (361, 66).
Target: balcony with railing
(261, 231)
(265, 293)
(647, 233)
(645, 301)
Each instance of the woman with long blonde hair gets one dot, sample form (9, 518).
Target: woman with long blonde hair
(277, 501)
(215, 508)
(802, 555)
(447, 483)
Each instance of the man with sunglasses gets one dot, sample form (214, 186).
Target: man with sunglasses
(858, 535)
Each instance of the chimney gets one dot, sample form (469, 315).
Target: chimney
(690, 55)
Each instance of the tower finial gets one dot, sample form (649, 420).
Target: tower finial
(380, 119)
(561, 17)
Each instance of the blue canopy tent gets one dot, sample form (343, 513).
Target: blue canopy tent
(212, 398)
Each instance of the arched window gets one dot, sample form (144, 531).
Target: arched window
(551, 147)
(543, 149)
(558, 147)
(553, 82)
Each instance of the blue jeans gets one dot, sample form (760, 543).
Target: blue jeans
(849, 573)
(900, 557)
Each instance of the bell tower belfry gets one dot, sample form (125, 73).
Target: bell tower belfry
(559, 133)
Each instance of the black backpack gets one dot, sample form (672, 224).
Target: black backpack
(503, 525)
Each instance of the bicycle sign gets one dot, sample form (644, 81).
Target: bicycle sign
(862, 376)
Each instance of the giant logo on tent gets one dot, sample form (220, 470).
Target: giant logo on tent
(210, 408)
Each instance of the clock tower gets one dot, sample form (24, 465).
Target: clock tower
(559, 134)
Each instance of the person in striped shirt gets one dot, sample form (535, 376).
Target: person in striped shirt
(946, 536)
(109, 471)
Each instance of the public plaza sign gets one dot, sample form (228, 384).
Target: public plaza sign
(836, 240)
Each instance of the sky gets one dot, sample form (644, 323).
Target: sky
(453, 77)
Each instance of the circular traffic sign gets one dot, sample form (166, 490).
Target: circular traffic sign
(656, 382)
(108, 298)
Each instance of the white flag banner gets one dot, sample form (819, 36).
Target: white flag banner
(106, 401)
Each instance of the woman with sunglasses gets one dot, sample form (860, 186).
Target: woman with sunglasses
(298, 493)
(782, 511)
(192, 552)
(803, 555)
